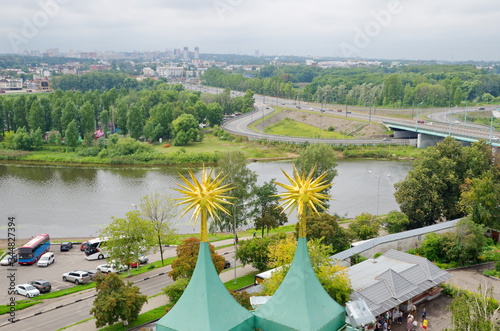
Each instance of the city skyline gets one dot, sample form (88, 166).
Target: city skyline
(412, 30)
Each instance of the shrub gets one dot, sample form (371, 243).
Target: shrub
(89, 151)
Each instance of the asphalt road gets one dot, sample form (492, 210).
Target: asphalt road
(75, 308)
(439, 121)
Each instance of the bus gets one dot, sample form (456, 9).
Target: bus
(36, 247)
(94, 249)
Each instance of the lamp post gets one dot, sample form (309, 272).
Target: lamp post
(235, 236)
(378, 187)
(416, 125)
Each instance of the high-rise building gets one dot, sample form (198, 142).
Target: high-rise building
(177, 52)
(196, 53)
(185, 54)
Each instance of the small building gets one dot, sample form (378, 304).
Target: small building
(395, 279)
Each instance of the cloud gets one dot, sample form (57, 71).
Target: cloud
(422, 29)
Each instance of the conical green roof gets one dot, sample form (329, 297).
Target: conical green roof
(206, 304)
(301, 302)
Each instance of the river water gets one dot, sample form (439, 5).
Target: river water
(77, 202)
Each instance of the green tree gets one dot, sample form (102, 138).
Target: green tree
(175, 290)
(69, 114)
(36, 118)
(160, 209)
(431, 190)
(135, 121)
(459, 247)
(21, 140)
(326, 228)
(474, 311)
(121, 116)
(71, 134)
(365, 226)
(116, 301)
(233, 165)
(323, 158)
(255, 251)
(185, 129)
(269, 214)
(395, 221)
(128, 238)
(480, 198)
(88, 122)
(187, 255)
(214, 114)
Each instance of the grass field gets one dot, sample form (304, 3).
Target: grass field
(288, 127)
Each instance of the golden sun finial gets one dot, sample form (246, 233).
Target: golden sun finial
(303, 194)
(202, 197)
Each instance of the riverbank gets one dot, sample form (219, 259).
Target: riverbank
(208, 151)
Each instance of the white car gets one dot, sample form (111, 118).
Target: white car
(46, 259)
(111, 267)
(27, 290)
(9, 259)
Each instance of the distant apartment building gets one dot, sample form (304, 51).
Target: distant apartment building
(169, 71)
(40, 84)
(88, 55)
(148, 72)
(10, 84)
(185, 54)
(94, 67)
(177, 52)
(196, 53)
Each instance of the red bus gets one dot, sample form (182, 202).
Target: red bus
(33, 249)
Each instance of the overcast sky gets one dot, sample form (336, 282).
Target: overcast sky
(402, 29)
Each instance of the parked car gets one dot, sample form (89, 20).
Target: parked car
(41, 285)
(84, 245)
(430, 123)
(93, 273)
(46, 259)
(420, 121)
(339, 110)
(143, 259)
(66, 246)
(9, 259)
(111, 267)
(27, 290)
(227, 264)
(482, 108)
(77, 277)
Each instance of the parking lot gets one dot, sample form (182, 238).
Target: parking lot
(64, 262)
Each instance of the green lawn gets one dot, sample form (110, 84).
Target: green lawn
(288, 127)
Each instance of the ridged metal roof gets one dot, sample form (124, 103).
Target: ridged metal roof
(392, 237)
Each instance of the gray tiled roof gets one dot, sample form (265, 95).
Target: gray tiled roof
(392, 237)
(392, 279)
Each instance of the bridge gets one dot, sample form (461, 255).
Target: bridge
(428, 134)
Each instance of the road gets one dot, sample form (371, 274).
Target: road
(75, 308)
(440, 121)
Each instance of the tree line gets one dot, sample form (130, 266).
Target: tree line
(405, 86)
(163, 111)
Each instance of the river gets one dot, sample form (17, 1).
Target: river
(77, 202)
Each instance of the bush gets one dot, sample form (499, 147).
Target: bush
(175, 290)
(89, 151)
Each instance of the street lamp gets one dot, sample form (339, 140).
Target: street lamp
(235, 236)
(416, 125)
(378, 187)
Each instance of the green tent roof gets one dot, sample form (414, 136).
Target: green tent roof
(206, 303)
(301, 302)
